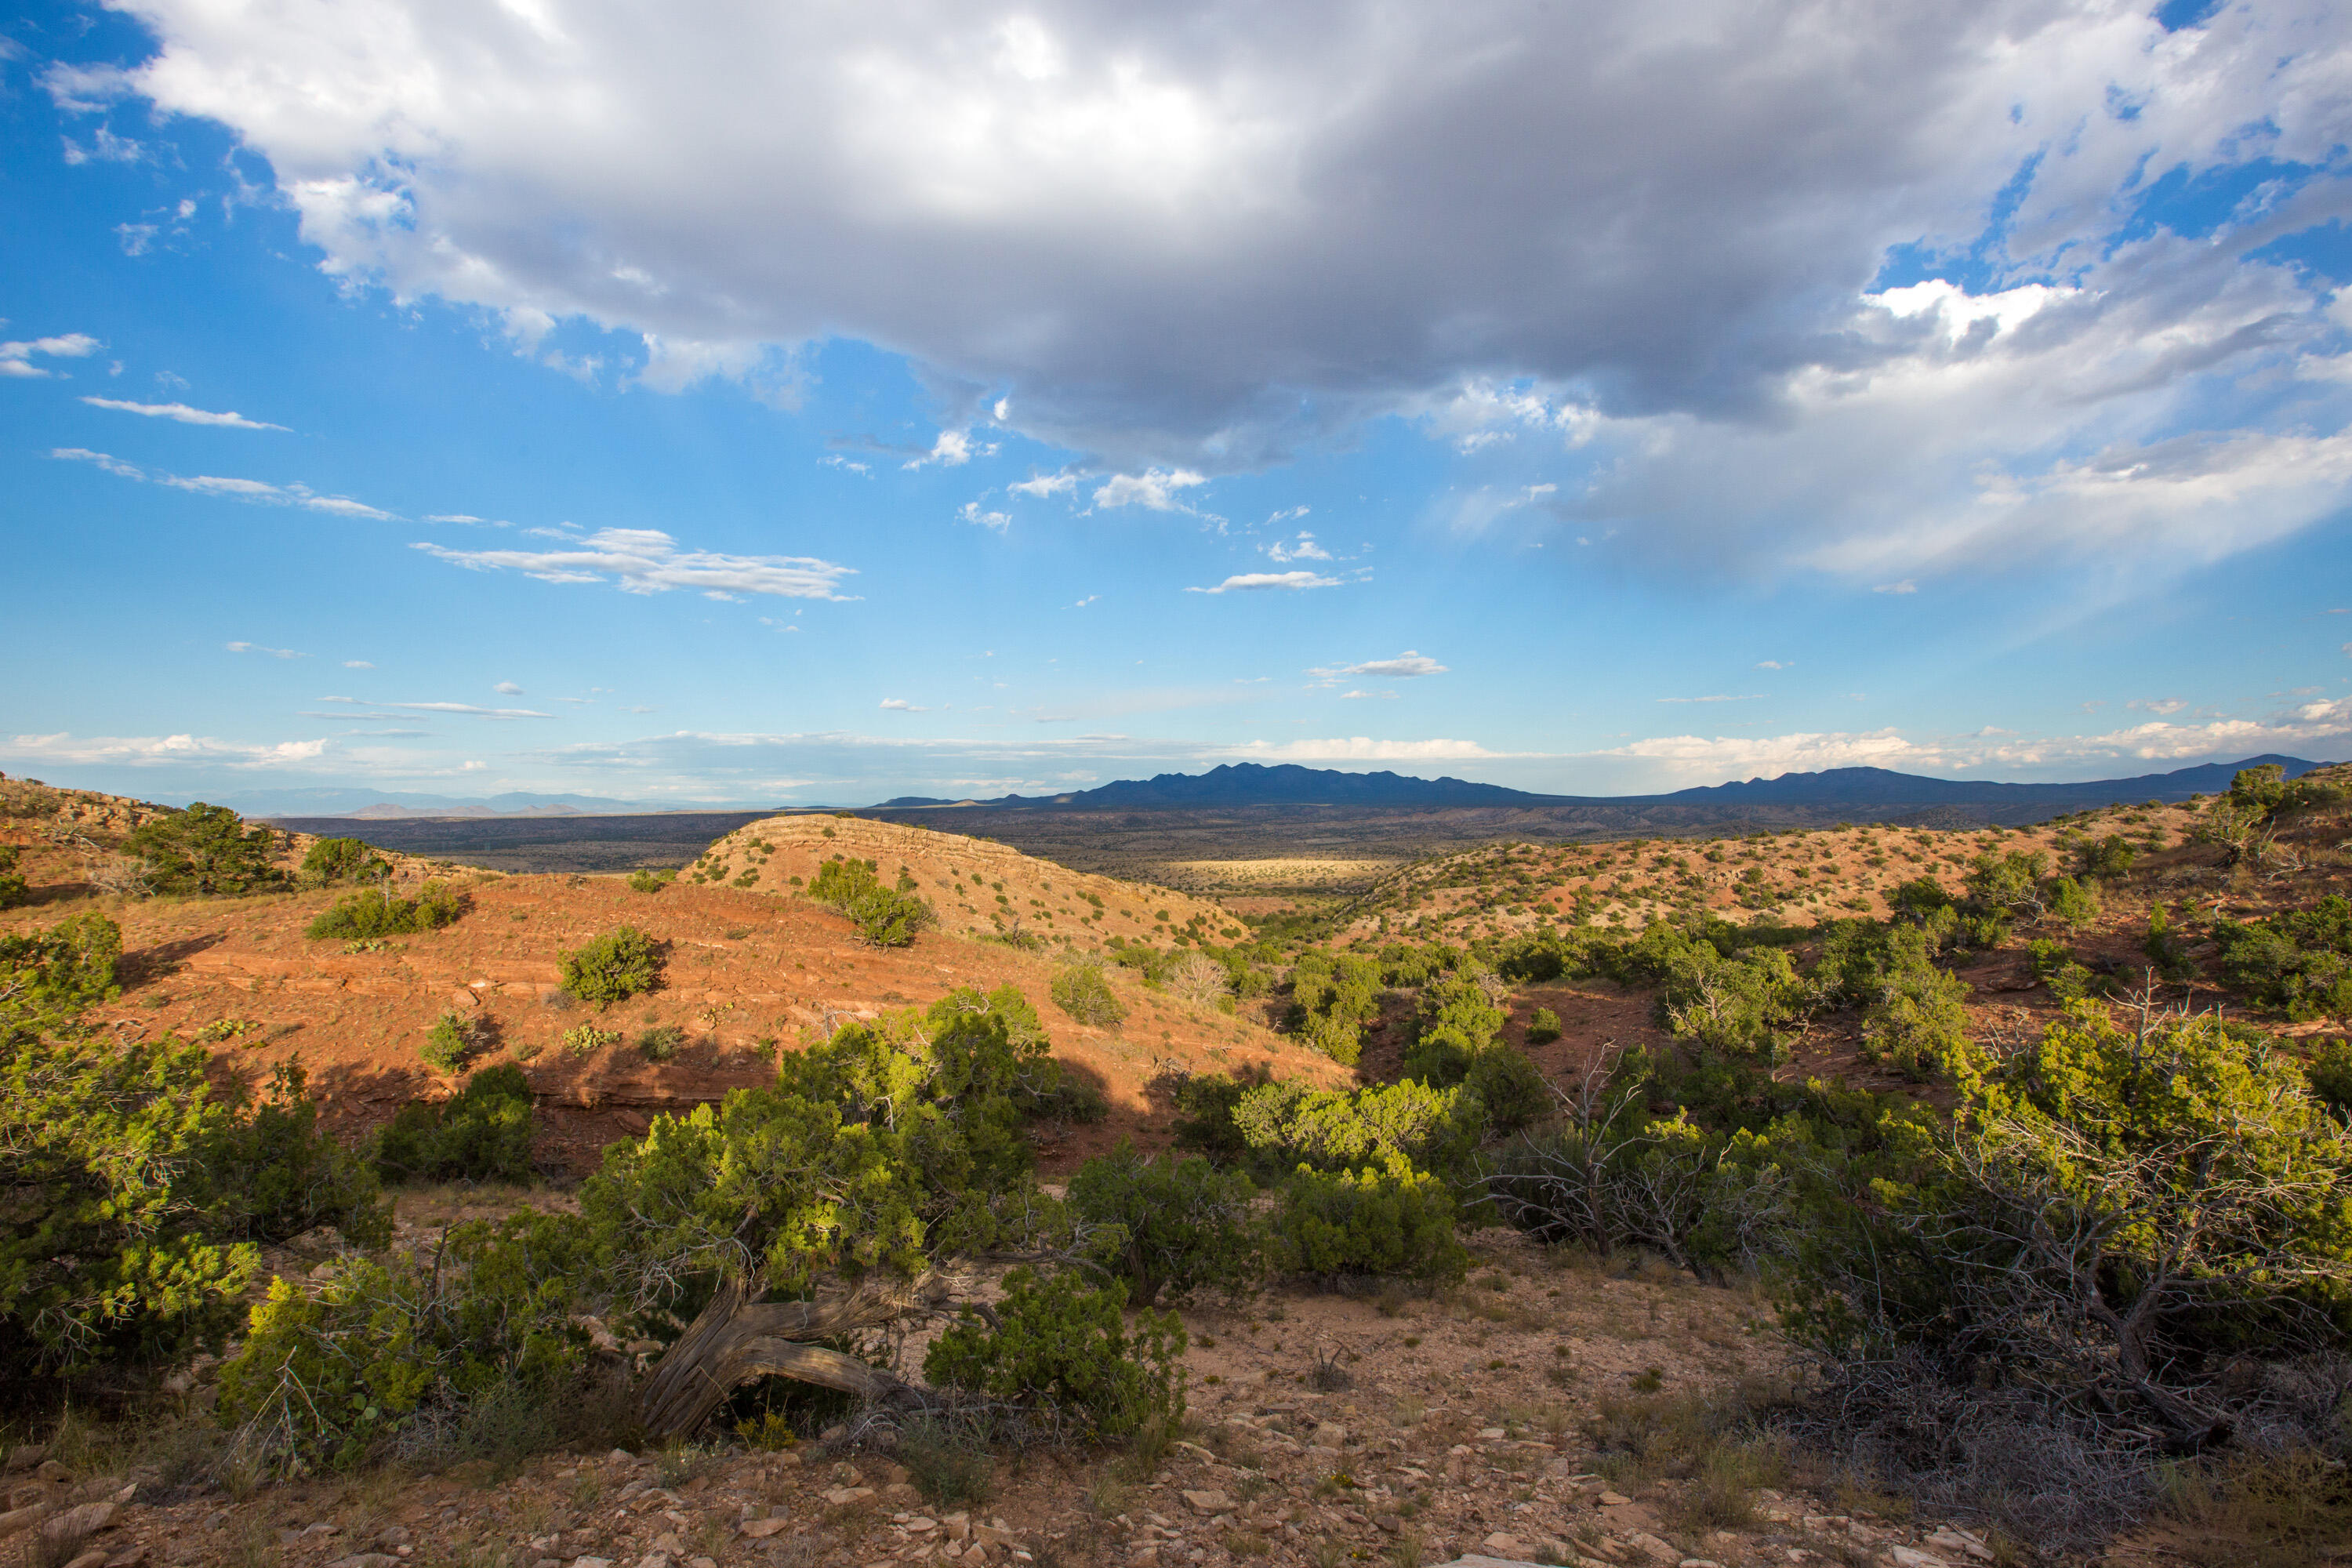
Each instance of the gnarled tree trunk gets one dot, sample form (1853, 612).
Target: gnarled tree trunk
(734, 1340)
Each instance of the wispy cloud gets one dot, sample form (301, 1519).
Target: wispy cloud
(468, 710)
(1776, 664)
(1363, 696)
(1360, 749)
(900, 705)
(16, 358)
(152, 750)
(1905, 587)
(1249, 581)
(256, 647)
(261, 490)
(1719, 697)
(1303, 548)
(1405, 666)
(997, 521)
(358, 664)
(180, 413)
(647, 561)
(507, 688)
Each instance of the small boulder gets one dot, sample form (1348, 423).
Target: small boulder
(1209, 1502)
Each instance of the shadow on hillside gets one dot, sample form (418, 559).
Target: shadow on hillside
(148, 964)
(349, 1092)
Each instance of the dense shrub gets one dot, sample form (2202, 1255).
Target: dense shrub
(1912, 1013)
(1333, 996)
(1085, 992)
(1066, 1346)
(2298, 961)
(1543, 1027)
(2053, 965)
(454, 1039)
(651, 882)
(138, 1198)
(269, 1173)
(1511, 1089)
(341, 860)
(1458, 1017)
(1390, 1220)
(1172, 1226)
(13, 891)
(2104, 859)
(2329, 1072)
(205, 849)
(376, 913)
(1284, 1125)
(1611, 1178)
(890, 1142)
(621, 963)
(1746, 1004)
(2073, 903)
(661, 1042)
(1205, 1104)
(47, 978)
(2165, 947)
(480, 1134)
(2113, 1216)
(884, 916)
(334, 1371)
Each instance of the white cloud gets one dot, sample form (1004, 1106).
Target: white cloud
(645, 561)
(1185, 248)
(1905, 587)
(1365, 696)
(507, 688)
(972, 513)
(256, 647)
(1089, 599)
(1405, 665)
(2319, 729)
(849, 465)
(1288, 514)
(2165, 706)
(1303, 548)
(952, 450)
(1041, 486)
(180, 413)
(155, 751)
(1154, 488)
(16, 358)
(900, 705)
(1775, 663)
(1245, 582)
(357, 664)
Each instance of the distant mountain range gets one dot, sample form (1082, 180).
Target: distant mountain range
(1871, 792)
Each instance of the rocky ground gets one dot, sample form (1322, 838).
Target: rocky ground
(1399, 1429)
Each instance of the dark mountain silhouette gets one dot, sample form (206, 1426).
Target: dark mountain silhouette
(1869, 790)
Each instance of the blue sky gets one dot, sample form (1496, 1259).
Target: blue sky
(792, 406)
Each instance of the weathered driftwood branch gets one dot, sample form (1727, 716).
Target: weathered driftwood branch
(734, 1340)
